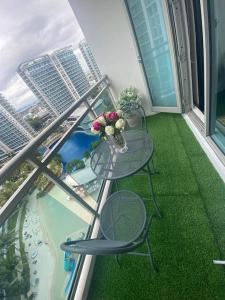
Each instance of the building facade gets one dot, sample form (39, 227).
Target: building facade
(71, 66)
(57, 80)
(15, 133)
(90, 60)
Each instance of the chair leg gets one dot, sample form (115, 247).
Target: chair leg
(117, 260)
(152, 168)
(151, 258)
(152, 192)
(116, 185)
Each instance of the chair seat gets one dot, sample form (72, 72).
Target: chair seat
(95, 246)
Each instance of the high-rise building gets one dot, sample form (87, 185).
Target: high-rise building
(14, 131)
(90, 60)
(68, 61)
(57, 80)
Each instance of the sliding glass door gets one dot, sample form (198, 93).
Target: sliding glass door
(194, 20)
(216, 15)
(150, 24)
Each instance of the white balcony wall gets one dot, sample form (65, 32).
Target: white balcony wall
(107, 29)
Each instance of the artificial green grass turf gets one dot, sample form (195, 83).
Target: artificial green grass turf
(189, 236)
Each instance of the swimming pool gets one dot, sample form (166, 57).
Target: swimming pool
(76, 145)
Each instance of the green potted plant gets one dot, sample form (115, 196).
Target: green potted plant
(128, 100)
(128, 96)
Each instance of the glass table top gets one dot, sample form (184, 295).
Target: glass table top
(108, 163)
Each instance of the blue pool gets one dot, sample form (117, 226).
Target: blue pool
(76, 145)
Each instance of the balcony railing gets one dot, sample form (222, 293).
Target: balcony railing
(46, 199)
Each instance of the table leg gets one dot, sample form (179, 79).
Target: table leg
(152, 191)
(153, 167)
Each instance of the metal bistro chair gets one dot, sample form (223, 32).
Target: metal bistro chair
(124, 227)
(135, 116)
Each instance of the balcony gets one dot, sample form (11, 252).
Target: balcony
(49, 206)
(48, 193)
(188, 237)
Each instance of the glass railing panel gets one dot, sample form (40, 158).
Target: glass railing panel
(14, 278)
(44, 148)
(72, 165)
(47, 215)
(104, 103)
(32, 264)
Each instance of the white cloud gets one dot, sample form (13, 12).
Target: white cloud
(18, 93)
(29, 29)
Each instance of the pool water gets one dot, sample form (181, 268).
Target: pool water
(76, 145)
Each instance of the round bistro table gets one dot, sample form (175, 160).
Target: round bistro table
(108, 163)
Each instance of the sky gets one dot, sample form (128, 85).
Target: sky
(28, 29)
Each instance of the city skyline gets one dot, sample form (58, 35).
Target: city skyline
(30, 30)
(56, 79)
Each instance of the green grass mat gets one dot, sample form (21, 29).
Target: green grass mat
(189, 236)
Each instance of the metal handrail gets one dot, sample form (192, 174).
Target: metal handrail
(30, 148)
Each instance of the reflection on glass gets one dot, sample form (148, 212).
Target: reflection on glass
(32, 263)
(217, 47)
(149, 26)
(53, 138)
(104, 103)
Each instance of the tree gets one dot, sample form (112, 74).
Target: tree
(94, 93)
(86, 155)
(35, 123)
(76, 163)
(95, 145)
(55, 166)
(11, 185)
(58, 158)
(8, 264)
(42, 182)
(6, 240)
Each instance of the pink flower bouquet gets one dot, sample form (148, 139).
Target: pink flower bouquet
(109, 123)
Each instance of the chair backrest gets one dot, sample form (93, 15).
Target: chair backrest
(135, 116)
(123, 217)
(123, 223)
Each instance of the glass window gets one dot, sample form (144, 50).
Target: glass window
(217, 48)
(152, 39)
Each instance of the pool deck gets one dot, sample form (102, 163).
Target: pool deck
(73, 205)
